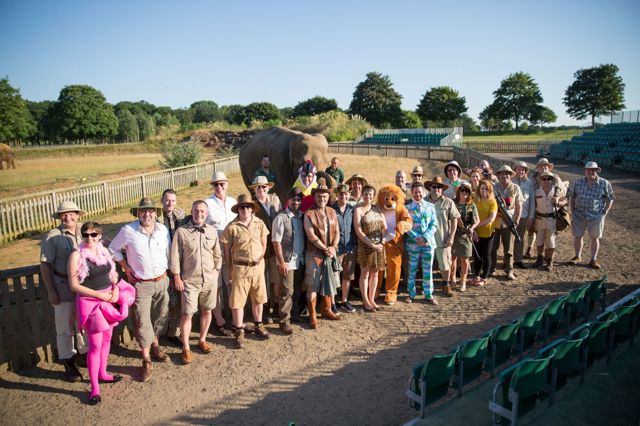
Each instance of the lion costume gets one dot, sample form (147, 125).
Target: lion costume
(391, 202)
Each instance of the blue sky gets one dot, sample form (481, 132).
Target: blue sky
(175, 53)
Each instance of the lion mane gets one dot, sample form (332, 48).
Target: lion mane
(388, 195)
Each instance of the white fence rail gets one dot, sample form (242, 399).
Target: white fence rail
(32, 213)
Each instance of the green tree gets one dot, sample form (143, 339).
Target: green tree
(595, 91)
(205, 112)
(16, 123)
(442, 104)
(542, 115)
(467, 123)
(178, 154)
(517, 97)
(82, 112)
(286, 113)
(260, 111)
(43, 116)
(314, 106)
(128, 130)
(146, 125)
(408, 120)
(233, 114)
(184, 115)
(490, 120)
(377, 101)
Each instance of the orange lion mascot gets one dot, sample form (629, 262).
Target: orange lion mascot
(391, 203)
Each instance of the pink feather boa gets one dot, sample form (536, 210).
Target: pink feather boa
(102, 258)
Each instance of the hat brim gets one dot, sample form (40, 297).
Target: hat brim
(219, 180)
(545, 164)
(428, 183)
(134, 210)
(269, 184)
(511, 172)
(254, 207)
(593, 168)
(56, 215)
(454, 165)
(351, 179)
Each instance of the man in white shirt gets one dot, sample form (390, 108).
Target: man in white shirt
(220, 215)
(146, 243)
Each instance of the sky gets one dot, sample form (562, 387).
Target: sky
(174, 53)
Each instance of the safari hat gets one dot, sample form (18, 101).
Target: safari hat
(342, 189)
(437, 180)
(544, 161)
(545, 174)
(295, 192)
(261, 181)
(454, 164)
(592, 165)
(64, 207)
(244, 200)
(505, 169)
(146, 204)
(465, 184)
(218, 177)
(357, 176)
(322, 188)
(417, 170)
(521, 164)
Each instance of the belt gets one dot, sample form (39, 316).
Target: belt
(156, 279)
(244, 263)
(545, 214)
(60, 274)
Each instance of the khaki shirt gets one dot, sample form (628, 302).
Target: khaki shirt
(512, 196)
(195, 254)
(446, 211)
(55, 250)
(245, 243)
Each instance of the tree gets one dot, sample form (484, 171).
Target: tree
(595, 91)
(260, 111)
(16, 122)
(517, 97)
(408, 120)
(542, 115)
(490, 120)
(184, 115)
(146, 125)
(315, 105)
(82, 112)
(442, 104)
(233, 114)
(286, 113)
(43, 117)
(128, 130)
(377, 101)
(467, 123)
(205, 112)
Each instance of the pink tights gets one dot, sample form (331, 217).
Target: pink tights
(99, 347)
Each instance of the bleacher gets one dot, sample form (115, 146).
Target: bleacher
(533, 356)
(616, 144)
(405, 139)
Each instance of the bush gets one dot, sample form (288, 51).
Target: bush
(334, 125)
(178, 154)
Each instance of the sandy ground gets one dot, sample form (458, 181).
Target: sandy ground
(349, 372)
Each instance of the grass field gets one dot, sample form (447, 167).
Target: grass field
(518, 137)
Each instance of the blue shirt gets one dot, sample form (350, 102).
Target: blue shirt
(589, 199)
(345, 224)
(425, 223)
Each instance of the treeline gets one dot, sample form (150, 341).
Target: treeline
(81, 113)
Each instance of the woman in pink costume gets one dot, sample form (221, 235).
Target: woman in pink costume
(102, 301)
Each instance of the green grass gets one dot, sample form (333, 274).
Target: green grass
(520, 137)
(84, 150)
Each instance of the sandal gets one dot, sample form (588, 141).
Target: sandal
(408, 300)
(432, 301)
(223, 330)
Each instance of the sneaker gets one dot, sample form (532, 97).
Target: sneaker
(511, 276)
(334, 309)
(594, 264)
(261, 331)
(158, 354)
(574, 260)
(432, 301)
(347, 307)
(408, 300)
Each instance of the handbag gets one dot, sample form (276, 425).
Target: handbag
(563, 219)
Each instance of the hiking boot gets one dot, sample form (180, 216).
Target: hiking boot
(549, 266)
(158, 354)
(539, 261)
(286, 328)
(239, 335)
(447, 291)
(261, 331)
(71, 371)
(147, 368)
(574, 260)
(187, 357)
(594, 264)
(527, 255)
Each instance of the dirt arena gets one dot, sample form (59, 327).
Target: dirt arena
(352, 371)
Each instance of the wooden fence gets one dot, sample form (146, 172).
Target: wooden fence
(24, 215)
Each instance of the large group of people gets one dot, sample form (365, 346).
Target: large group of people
(298, 259)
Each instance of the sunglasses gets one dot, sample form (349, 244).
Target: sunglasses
(248, 207)
(90, 234)
(417, 175)
(436, 186)
(465, 190)
(296, 199)
(218, 184)
(547, 179)
(262, 186)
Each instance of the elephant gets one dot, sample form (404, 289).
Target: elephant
(288, 150)
(7, 155)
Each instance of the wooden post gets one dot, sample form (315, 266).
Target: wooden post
(173, 180)
(105, 197)
(144, 186)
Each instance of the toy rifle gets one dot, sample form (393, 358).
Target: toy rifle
(504, 215)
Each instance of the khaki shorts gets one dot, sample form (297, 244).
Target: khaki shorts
(348, 262)
(546, 232)
(196, 296)
(443, 257)
(245, 286)
(595, 227)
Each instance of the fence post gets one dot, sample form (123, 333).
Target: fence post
(144, 186)
(105, 197)
(196, 170)
(173, 180)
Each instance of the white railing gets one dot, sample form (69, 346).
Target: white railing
(32, 213)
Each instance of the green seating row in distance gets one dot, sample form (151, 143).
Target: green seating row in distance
(405, 139)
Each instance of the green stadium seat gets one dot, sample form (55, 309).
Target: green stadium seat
(501, 343)
(600, 340)
(470, 361)
(597, 291)
(530, 327)
(554, 315)
(576, 305)
(626, 323)
(570, 360)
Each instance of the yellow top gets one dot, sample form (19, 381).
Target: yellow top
(485, 208)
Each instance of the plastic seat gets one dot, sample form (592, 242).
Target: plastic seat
(600, 339)
(519, 387)
(570, 359)
(553, 316)
(530, 326)
(430, 380)
(597, 292)
(626, 322)
(501, 344)
(470, 361)
(576, 305)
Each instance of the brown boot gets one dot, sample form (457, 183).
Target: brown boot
(550, 254)
(326, 309)
(239, 334)
(147, 368)
(447, 291)
(539, 261)
(311, 306)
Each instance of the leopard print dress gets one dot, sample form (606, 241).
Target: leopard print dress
(372, 226)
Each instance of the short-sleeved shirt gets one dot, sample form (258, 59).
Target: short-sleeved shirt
(590, 199)
(220, 214)
(337, 174)
(345, 224)
(512, 197)
(297, 226)
(55, 250)
(195, 254)
(147, 255)
(446, 211)
(528, 198)
(485, 209)
(245, 242)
